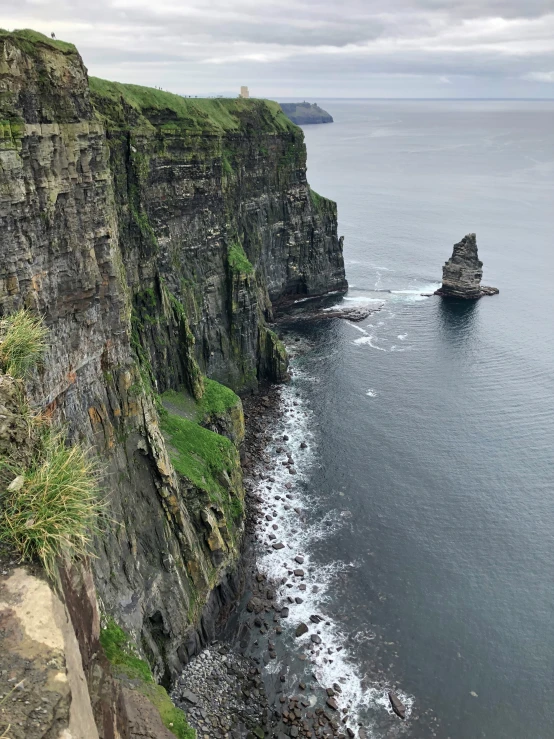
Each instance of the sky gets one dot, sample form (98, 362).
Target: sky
(306, 48)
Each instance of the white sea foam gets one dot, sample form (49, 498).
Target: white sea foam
(415, 295)
(368, 340)
(402, 336)
(326, 663)
(358, 328)
(362, 299)
(371, 393)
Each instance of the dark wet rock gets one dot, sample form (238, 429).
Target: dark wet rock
(255, 605)
(397, 706)
(331, 702)
(301, 629)
(316, 639)
(299, 573)
(462, 273)
(299, 559)
(278, 545)
(355, 313)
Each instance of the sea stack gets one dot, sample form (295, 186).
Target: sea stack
(461, 275)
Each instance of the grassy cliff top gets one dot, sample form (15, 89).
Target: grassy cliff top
(168, 109)
(27, 38)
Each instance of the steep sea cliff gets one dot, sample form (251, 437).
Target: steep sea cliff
(155, 235)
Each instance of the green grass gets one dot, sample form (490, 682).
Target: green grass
(237, 259)
(200, 455)
(173, 718)
(34, 37)
(22, 342)
(317, 200)
(119, 651)
(217, 398)
(215, 114)
(52, 506)
(122, 655)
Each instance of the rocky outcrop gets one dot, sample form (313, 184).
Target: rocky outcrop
(462, 273)
(155, 235)
(306, 113)
(41, 672)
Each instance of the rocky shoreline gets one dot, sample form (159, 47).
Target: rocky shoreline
(239, 687)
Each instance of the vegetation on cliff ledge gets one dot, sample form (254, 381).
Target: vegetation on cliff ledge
(207, 459)
(26, 38)
(237, 259)
(22, 343)
(51, 507)
(125, 661)
(49, 503)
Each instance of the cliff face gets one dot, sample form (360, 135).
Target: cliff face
(154, 234)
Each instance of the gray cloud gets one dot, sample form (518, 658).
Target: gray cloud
(304, 47)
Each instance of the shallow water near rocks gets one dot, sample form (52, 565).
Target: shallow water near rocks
(426, 484)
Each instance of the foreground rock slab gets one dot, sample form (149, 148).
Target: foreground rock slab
(462, 273)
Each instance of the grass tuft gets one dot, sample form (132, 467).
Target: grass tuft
(22, 342)
(238, 261)
(52, 506)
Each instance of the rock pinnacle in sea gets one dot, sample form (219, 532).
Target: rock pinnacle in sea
(462, 273)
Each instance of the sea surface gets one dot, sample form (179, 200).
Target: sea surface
(428, 478)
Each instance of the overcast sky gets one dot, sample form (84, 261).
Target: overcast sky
(297, 48)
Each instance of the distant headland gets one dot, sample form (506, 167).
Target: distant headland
(303, 113)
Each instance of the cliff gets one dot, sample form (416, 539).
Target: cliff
(304, 113)
(462, 273)
(155, 235)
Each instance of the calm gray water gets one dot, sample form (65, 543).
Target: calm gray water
(432, 423)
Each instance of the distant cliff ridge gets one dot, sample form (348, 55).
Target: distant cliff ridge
(303, 113)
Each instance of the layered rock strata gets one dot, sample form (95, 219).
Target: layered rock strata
(462, 273)
(155, 235)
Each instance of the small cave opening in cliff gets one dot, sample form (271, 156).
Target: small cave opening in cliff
(156, 646)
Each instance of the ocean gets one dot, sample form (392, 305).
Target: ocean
(427, 479)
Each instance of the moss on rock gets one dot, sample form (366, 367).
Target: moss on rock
(127, 663)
